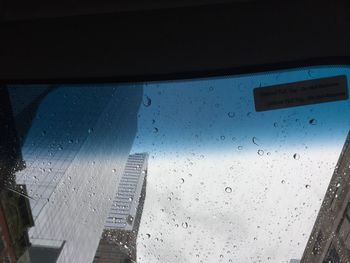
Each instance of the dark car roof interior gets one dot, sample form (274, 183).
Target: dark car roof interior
(94, 41)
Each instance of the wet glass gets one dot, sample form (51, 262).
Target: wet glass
(174, 171)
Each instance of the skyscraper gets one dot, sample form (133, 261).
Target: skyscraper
(75, 151)
(330, 237)
(118, 241)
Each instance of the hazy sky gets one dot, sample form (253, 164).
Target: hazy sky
(226, 183)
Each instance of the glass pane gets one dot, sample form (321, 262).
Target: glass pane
(174, 171)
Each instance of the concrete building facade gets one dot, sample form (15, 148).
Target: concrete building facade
(330, 237)
(75, 151)
(118, 241)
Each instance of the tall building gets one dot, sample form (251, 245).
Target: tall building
(15, 212)
(75, 149)
(118, 240)
(330, 238)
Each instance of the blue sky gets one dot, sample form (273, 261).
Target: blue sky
(200, 133)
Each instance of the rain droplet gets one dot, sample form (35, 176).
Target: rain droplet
(228, 190)
(147, 101)
(260, 152)
(231, 114)
(185, 225)
(114, 170)
(182, 180)
(338, 185)
(155, 130)
(313, 121)
(296, 156)
(283, 182)
(309, 72)
(240, 148)
(148, 235)
(307, 186)
(255, 141)
(130, 219)
(90, 130)
(222, 137)
(70, 141)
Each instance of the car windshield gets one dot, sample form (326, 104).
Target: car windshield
(219, 169)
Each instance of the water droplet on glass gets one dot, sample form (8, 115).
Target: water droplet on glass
(114, 170)
(130, 219)
(43, 133)
(338, 185)
(70, 141)
(313, 121)
(147, 101)
(296, 156)
(222, 137)
(310, 72)
(182, 180)
(240, 148)
(184, 225)
(231, 114)
(148, 235)
(260, 152)
(155, 130)
(90, 130)
(255, 141)
(307, 186)
(283, 182)
(228, 190)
